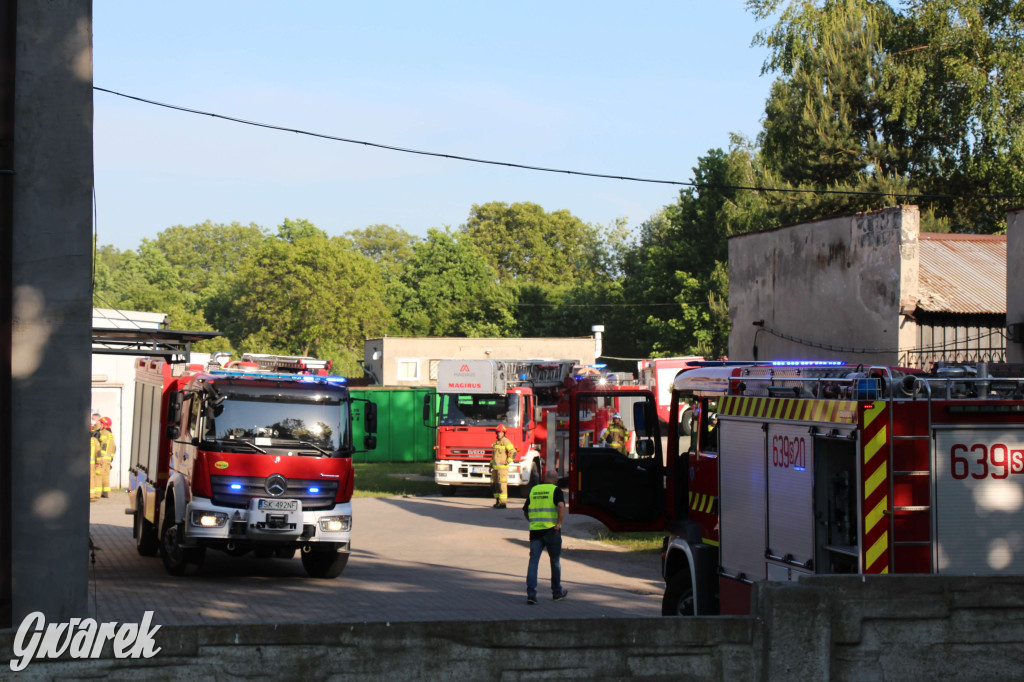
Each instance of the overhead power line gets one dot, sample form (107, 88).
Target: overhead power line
(562, 171)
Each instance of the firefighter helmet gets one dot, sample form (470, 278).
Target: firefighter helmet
(500, 427)
(105, 422)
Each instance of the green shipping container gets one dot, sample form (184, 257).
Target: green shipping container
(401, 434)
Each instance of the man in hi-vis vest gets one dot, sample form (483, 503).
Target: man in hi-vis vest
(545, 509)
(504, 453)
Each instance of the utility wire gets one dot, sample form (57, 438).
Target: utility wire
(543, 169)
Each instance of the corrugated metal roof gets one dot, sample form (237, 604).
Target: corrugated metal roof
(962, 273)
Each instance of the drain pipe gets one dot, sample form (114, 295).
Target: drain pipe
(598, 330)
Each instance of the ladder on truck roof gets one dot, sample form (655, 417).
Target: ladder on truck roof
(538, 373)
(286, 363)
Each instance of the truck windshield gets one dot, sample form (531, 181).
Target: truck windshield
(278, 416)
(462, 409)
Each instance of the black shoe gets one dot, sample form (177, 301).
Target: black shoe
(530, 601)
(560, 596)
(501, 506)
(496, 505)
(104, 495)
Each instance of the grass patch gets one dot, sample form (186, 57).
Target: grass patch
(389, 479)
(633, 541)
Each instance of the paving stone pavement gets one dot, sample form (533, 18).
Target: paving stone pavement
(413, 559)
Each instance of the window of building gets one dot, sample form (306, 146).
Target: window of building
(408, 370)
(433, 370)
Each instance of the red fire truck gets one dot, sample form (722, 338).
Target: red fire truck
(254, 457)
(474, 396)
(819, 468)
(658, 375)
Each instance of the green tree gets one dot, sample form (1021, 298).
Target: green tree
(524, 243)
(450, 290)
(922, 99)
(311, 296)
(390, 246)
(678, 267)
(205, 254)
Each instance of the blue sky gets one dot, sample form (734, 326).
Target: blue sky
(640, 89)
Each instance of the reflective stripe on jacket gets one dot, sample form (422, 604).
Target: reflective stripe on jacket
(504, 452)
(543, 512)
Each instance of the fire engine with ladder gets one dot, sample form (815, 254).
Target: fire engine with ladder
(526, 396)
(787, 469)
(246, 456)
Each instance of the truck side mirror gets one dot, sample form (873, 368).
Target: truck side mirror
(426, 409)
(370, 418)
(173, 431)
(642, 419)
(645, 448)
(370, 441)
(174, 401)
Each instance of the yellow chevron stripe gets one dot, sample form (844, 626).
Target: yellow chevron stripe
(777, 408)
(877, 442)
(876, 550)
(872, 412)
(789, 409)
(706, 541)
(876, 515)
(876, 479)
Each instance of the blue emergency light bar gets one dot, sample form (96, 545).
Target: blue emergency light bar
(804, 363)
(304, 378)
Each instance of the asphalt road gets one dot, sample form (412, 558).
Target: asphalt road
(413, 559)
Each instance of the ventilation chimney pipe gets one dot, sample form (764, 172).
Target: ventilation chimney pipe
(598, 330)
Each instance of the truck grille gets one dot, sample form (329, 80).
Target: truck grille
(252, 486)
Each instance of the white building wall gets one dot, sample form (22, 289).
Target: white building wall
(407, 361)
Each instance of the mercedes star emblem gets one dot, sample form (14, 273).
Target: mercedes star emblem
(276, 485)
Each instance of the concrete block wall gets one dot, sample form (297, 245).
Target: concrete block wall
(859, 628)
(1015, 280)
(825, 287)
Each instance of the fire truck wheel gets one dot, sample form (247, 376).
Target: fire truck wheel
(320, 564)
(678, 600)
(448, 491)
(146, 542)
(179, 560)
(263, 552)
(285, 552)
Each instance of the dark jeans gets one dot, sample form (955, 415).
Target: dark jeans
(552, 542)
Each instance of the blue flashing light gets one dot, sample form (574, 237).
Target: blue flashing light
(303, 378)
(802, 363)
(599, 366)
(799, 468)
(523, 377)
(314, 490)
(236, 486)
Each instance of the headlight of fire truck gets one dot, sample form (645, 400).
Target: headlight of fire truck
(335, 524)
(442, 467)
(208, 519)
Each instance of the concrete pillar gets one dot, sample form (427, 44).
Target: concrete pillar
(1015, 284)
(51, 309)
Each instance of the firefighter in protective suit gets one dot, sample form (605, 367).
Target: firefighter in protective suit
(95, 484)
(504, 453)
(615, 434)
(107, 450)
